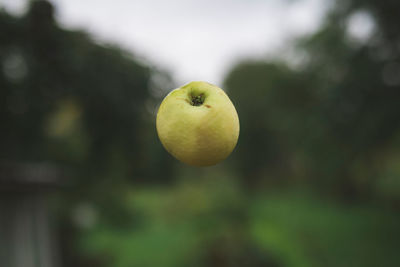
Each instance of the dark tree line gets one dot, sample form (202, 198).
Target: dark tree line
(334, 122)
(71, 101)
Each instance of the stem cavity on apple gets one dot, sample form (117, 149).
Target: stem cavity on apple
(196, 100)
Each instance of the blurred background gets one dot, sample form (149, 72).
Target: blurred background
(313, 181)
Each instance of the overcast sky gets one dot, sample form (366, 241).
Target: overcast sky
(192, 39)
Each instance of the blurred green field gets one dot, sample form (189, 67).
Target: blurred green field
(183, 226)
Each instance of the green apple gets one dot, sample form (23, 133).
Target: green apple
(198, 124)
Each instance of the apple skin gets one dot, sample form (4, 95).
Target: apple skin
(198, 134)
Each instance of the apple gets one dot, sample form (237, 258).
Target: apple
(198, 124)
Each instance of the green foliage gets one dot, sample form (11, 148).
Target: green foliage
(326, 121)
(71, 101)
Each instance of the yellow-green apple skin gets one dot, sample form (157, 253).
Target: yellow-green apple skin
(198, 124)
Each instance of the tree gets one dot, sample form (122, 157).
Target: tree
(329, 121)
